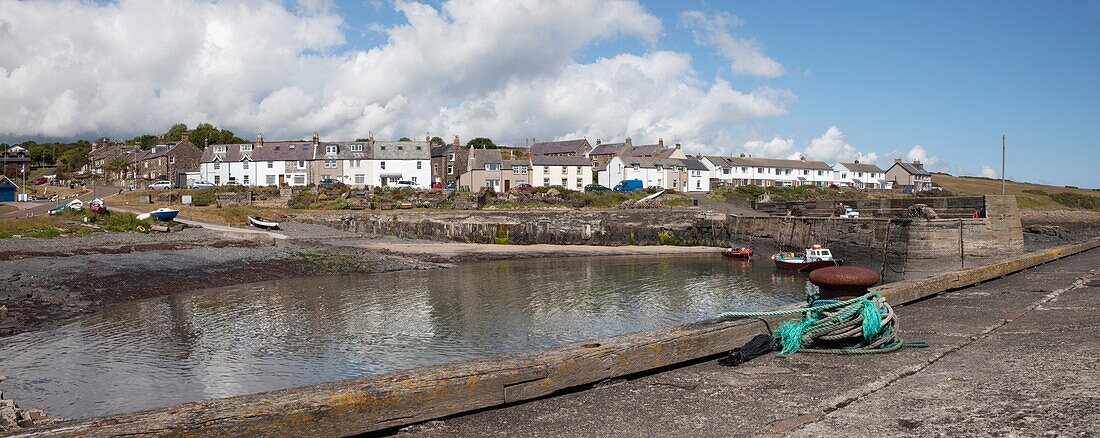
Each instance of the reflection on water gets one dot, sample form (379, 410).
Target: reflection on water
(263, 336)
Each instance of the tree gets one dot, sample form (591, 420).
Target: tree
(405, 139)
(42, 153)
(146, 141)
(175, 133)
(73, 158)
(481, 143)
(116, 165)
(436, 141)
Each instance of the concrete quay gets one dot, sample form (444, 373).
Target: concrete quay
(1016, 356)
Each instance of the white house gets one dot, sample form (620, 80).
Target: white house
(393, 161)
(769, 172)
(571, 172)
(260, 163)
(859, 175)
(668, 173)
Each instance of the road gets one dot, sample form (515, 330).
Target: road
(44, 208)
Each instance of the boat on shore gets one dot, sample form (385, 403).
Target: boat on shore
(737, 253)
(262, 223)
(97, 205)
(813, 258)
(164, 214)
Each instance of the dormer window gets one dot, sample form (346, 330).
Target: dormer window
(382, 147)
(305, 146)
(400, 148)
(331, 149)
(246, 147)
(357, 148)
(219, 149)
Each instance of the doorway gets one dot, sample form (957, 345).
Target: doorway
(507, 185)
(282, 180)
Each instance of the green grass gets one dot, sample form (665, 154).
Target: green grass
(123, 222)
(1029, 196)
(42, 227)
(4, 208)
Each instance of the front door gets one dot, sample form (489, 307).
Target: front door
(385, 182)
(282, 180)
(507, 184)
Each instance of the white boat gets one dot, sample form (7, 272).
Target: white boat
(76, 205)
(260, 222)
(164, 214)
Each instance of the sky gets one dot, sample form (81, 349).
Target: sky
(938, 81)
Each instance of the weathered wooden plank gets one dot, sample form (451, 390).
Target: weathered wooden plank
(382, 401)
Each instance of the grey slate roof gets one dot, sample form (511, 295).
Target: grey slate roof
(862, 167)
(543, 160)
(559, 147)
(283, 150)
(401, 150)
(775, 162)
(693, 164)
(913, 169)
(480, 157)
(608, 149)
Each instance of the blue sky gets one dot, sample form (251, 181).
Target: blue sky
(834, 81)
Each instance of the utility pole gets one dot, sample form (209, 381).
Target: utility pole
(1002, 164)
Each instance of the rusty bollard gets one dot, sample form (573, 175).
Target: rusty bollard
(843, 281)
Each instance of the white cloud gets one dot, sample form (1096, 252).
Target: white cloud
(918, 153)
(502, 69)
(830, 147)
(746, 56)
(988, 172)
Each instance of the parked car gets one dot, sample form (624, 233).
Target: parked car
(406, 183)
(450, 186)
(40, 180)
(524, 187)
(628, 185)
(161, 185)
(231, 183)
(595, 188)
(199, 185)
(437, 186)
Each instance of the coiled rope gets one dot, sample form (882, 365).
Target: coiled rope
(861, 325)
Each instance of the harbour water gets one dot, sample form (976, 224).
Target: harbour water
(277, 334)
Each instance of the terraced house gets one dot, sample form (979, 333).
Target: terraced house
(745, 170)
(563, 148)
(567, 171)
(169, 162)
(449, 161)
(680, 174)
(375, 163)
(271, 163)
(860, 175)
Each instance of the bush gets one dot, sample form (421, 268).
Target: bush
(302, 200)
(124, 222)
(1076, 200)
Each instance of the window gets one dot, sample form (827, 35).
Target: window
(546, 182)
(819, 173)
(400, 148)
(217, 165)
(674, 182)
(330, 164)
(418, 147)
(759, 182)
(383, 147)
(760, 170)
(578, 170)
(330, 149)
(451, 157)
(659, 168)
(637, 167)
(660, 182)
(450, 169)
(299, 180)
(357, 148)
(414, 179)
(301, 164)
(580, 183)
(726, 170)
(494, 183)
(246, 147)
(270, 164)
(698, 184)
(844, 175)
(305, 146)
(245, 180)
(565, 182)
(383, 164)
(217, 179)
(859, 174)
(360, 178)
(244, 164)
(219, 149)
(417, 165)
(492, 166)
(270, 180)
(171, 160)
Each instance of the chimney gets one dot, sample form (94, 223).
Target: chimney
(456, 142)
(185, 136)
(316, 139)
(660, 142)
(259, 139)
(897, 160)
(533, 141)
(598, 141)
(628, 143)
(428, 139)
(803, 158)
(855, 162)
(679, 146)
(742, 155)
(916, 163)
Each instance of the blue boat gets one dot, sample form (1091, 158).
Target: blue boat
(164, 214)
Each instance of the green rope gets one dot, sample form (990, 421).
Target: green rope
(862, 325)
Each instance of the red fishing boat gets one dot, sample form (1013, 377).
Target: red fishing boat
(737, 253)
(815, 257)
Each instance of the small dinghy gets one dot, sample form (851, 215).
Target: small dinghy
(76, 205)
(98, 206)
(164, 214)
(260, 222)
(60, 208)
(737, 253)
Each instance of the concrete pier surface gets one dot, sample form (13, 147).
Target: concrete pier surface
(1018, 355)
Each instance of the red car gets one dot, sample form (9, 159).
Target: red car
(437, 185)
(39, 181)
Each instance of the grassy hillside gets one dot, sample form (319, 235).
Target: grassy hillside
(1029, 196)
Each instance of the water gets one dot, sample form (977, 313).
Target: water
(277, 334)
